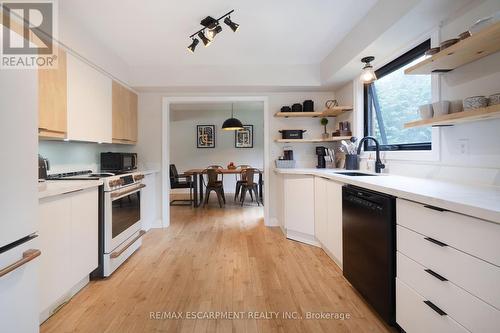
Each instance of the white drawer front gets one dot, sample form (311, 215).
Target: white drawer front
(414, 316)
(466, 309)
(474, 275)
(468, 234)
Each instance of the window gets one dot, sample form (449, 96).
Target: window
(393, 100)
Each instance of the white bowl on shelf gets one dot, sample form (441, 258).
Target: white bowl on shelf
(441, 108)
(426, 111)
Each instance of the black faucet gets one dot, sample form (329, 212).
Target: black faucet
(378, 163)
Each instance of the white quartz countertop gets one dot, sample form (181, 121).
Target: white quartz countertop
(479, 201)
(148, 171)
(52, 188)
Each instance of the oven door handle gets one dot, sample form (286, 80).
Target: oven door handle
(118, 253)
(118, 194)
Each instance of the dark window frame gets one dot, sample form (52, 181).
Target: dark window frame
(394, 65)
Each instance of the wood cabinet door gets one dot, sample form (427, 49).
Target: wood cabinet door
(334, 224)
(124, 115)
(133, 106)
(52, 100)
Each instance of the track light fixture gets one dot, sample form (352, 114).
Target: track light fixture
(231, 24)
(193, 45)
(211, 28)
(211, 33)
(206, 41)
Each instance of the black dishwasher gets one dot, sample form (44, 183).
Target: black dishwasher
(369, 247)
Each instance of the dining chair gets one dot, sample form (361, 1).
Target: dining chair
(213, 183)
(239, 179)
(249, 185)
(176, 183)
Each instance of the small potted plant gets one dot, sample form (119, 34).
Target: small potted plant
(324, 122)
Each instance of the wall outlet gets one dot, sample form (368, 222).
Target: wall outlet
(463, 146)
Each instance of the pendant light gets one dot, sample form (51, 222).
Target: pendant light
(232, 124)
(368, 74)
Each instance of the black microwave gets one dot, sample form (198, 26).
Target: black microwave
(118, 161)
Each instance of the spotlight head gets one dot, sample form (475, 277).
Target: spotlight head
(193, 45)
(204, 39)
(213, 32)
(234, 26)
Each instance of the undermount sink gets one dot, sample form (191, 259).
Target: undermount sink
(355, 174)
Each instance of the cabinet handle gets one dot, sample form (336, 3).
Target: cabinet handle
(27, 257)
(436, 208)
(436, 275)
(435, 308)
(117, 254)
(435, 241)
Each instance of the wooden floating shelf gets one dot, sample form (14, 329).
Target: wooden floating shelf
(477, 46)
(332, 139)
(489, 112)
(333, 112)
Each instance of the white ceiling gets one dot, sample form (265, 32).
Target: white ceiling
(154, 33)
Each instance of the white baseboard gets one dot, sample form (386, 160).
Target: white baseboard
(301, 237)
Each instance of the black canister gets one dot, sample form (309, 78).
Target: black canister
(351, 162)
(308, 106)
(286, 109)
(297, 107)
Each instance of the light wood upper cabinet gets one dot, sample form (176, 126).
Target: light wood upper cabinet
(124, 115)
(52, 100)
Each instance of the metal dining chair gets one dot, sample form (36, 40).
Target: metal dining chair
(240, 179)
(249, 185)
(213, 183)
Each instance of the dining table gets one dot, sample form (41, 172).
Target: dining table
(197, 175)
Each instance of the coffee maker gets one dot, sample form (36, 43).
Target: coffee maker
(43, 167)
(321, 152)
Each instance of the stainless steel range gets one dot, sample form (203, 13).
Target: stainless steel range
(120, 232)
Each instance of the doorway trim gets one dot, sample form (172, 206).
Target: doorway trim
(166, 101)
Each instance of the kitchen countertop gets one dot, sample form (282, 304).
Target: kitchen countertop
(52, 188)
(478, 201)
(148, 171)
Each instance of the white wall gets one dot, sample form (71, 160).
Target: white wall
(150, 134)
(185, 155)
(481, 162)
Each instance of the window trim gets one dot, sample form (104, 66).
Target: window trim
(392, 66)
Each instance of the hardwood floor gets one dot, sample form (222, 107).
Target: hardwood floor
(218, 260)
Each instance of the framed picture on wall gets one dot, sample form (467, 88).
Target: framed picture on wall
(243, 138)
(205, 136)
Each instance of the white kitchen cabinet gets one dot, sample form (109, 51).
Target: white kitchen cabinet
(89, 102)
(450, 260)
(148, 202)
(84, 233)
(321, 210)
(68, 228)
(328, 217)
(299, 208)
(55, 243)
(334, 221)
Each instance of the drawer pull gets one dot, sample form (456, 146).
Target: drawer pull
(436, 208)
(435, 308)
(436, 275)
(435, 241)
